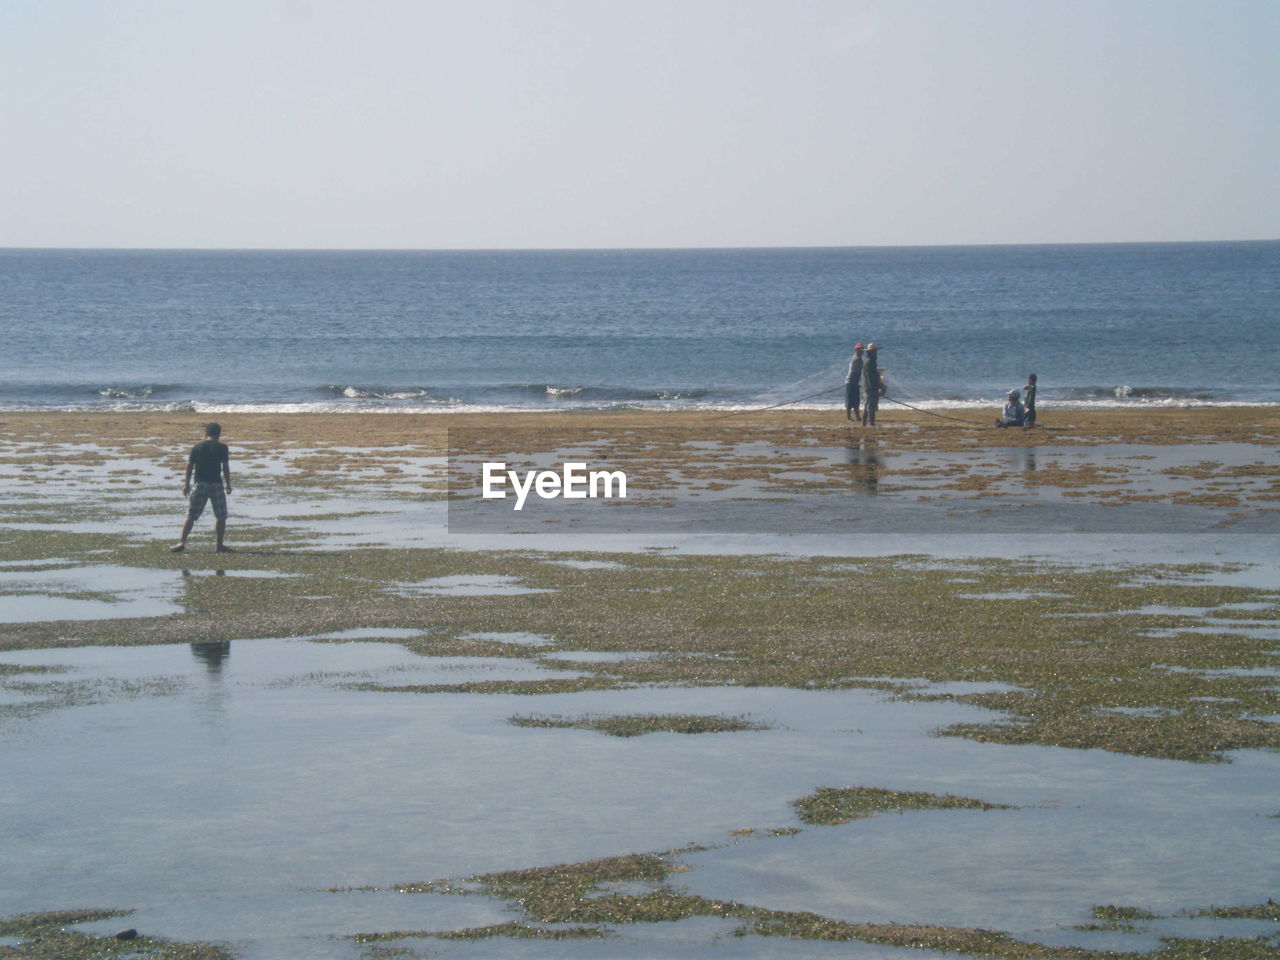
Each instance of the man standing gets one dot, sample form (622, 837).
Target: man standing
(210, 460)
(853, 385)
(871, 387)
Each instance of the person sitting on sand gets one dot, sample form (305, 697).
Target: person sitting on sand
(1029, 394)
(872, 385)
(853, 385)
(1014, 413)
(210, 460)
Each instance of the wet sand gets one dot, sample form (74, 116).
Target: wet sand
(1158, 425)
(761, 473)
(1114, 722)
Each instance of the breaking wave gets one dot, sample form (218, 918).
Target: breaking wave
(1127, 392)
(137, 392)
(612, 394)
(414, 394)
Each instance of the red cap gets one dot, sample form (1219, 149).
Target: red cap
(857, 346)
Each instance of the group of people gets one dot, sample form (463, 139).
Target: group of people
(863, 385)
(1020, 412)
(209, 461)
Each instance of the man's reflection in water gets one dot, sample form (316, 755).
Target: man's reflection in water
(1027, 459)
(864, 465)
(212, 652)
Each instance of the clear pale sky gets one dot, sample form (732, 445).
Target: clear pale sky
(644, 123)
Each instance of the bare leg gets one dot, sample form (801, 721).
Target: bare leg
(220, 529)
(182, 541)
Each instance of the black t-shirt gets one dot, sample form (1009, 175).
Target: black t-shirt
(208, 457)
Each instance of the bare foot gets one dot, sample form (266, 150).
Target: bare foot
(225, 549)
(177, 548)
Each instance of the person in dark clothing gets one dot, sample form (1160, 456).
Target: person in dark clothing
(210, 462)
(1013, 411)
(1029, 401)
(853, 385)
(872, 386)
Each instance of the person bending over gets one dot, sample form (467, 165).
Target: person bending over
(210, 462)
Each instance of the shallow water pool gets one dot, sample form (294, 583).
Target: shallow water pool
(233, 784)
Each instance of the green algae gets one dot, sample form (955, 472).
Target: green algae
(578, 897)
(513, 930)
(1220, 948)
(1112, 913)
(529, 688)
(638, 724)
(1077, 645)
(832, 805)
(14, 669)
(49, 695)
(45, 936)
(27, 924)
(1116, 918)
(1258, 911)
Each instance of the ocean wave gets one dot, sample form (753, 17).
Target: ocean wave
(582, 392)
(109, 405)
(356, 397)
(343, 405)
(1128, 392)
(130, 393)
(553, 391)
(419, 394)
(76, 392)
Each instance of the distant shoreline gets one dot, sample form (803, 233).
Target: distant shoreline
(1139, 406)
(656, 249)
(1070, 427)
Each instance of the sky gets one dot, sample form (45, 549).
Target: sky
(417, 124)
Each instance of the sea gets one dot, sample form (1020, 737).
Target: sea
(1107, 325)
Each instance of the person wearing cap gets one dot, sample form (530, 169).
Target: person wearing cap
(1014, 413)
(1029, 401)
(210, 461)
(853, 385)
(872, 385)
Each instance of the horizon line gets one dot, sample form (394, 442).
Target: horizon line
(636, 249)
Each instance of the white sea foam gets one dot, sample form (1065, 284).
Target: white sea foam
(452, 405)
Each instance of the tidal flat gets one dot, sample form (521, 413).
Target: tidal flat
(353, 739)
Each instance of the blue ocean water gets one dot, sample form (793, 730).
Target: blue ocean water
(1106, 324)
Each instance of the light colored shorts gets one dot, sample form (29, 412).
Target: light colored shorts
(207, 493)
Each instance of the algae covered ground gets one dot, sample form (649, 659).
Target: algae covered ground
(572, 901)
(1170, 659)
(51, 936)
(1152, 660)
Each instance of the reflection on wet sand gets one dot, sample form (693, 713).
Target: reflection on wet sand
(864, 465)
(212, 652)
